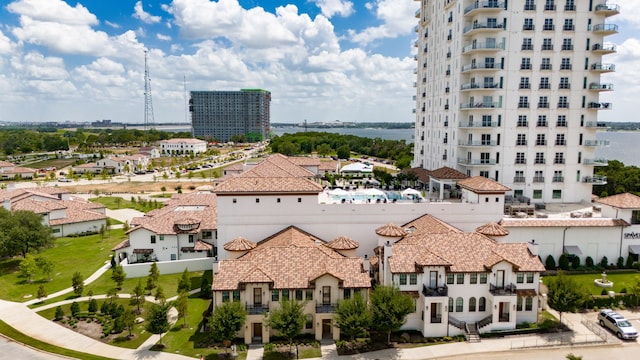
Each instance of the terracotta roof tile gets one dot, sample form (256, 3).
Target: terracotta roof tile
(447, 173)
(256, 185)
(422, 174)
(391, 230)
(239, 244)
(122, 245)
(586, 222)
(305, 160)
(198, 246)
(290, 259)
(481, 184)
(5, 164)
(429, 224)
(343, 243)
(277, 166)
(492, 229)
(331, 165)
(621, 201)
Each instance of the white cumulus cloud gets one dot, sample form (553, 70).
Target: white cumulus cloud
(330, 8)
(397, 17)
(144, 16)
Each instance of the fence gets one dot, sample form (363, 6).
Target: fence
(603, 333)
(564, 339)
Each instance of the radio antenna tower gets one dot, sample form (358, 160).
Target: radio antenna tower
(148, 102)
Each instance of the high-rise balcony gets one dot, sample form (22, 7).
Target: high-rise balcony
(476, 162)
(479, 105)
(603, 49)
(596, 162)
(416, 43)
(596, 143)
(486, 6)
(483, 66)
(558, 179)
(480, 86)
(478, 143)
(603, 68)
(605, 29)
(595, 180)
(477, 124)
(600, 105)
(601, 87)
(417, 14)
(538, 179)
(482, 47)
(478, 27)
(595, 124)
(607, 9)
(416, 28)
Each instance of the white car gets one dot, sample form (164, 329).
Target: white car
(618, 324)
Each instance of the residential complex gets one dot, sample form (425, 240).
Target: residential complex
(511, 91)
(219, 115)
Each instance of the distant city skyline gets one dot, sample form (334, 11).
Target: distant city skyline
(322, 60)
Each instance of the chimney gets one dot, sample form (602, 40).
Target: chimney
(533, 247)
(366, 264)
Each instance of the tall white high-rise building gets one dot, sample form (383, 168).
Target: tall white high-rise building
(510, 90)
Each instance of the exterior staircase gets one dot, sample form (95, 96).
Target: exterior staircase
(472, 333)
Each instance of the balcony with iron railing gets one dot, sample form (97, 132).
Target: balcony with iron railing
(257, 309)
(601, 87)
(325, 308)
(595, 180)
(603, 67)
(508, 290)
(479, 143)
(558, 179)
(606, 48)
(607, 9)
(600, 105)
(477, 27)
(487, 66)
(605, 29)
(479, 105)
(476, 162)
(484, 6)
(596, 162)
(482, 46)
(479, 86)
(478, 124)
(435, 291)
(538, 179)
(518, 179)
(595, 124)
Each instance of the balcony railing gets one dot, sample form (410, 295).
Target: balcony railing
(538, 179)
(257, 309)
(477, 143)
(478, 124)
(484, 5)
(482, 66)
(607, 9)
(502, 290)
(483, 26)
(479, 105)
(476, 162)
(518, 179)
(603, 67)
(435, 291)
(482, 46)
(606, 29)
(600, 105)
(596, 180)
(325, 308)
(605, 48)
(471, 86)
(600, 87)
(596, 162)
(558, 179)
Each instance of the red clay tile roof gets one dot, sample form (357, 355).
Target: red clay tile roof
(123, 245)
(290, 259)
(6, 164)
(447, 173)
(621, 201)
(277, 166)
(422, 174)
(304, 160)
(331, 165)
(343, 243)
(586, 222)
(428, 224)
(481, 184)
(257, 185)
(492, 229)
(198, 246)
(391, 230)
(239, 244)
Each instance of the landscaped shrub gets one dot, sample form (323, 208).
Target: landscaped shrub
(59, 313)
(604, 262)
(75, 309)
(563, 262)
(589, 262)
(620, 263)
(93, 306)
(550, 263)
(629, 263)
(603, 292)
(575, 262)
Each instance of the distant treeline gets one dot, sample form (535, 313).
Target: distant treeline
(621, 126)
(342, 145)
(366, 125)
(620, 179)
(15, 141)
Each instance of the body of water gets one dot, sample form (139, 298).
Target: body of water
(622, 144)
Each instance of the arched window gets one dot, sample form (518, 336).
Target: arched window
(450, 304)
(482, 304)
(459, 305)
(519, 304)
(472, 304)
(528, 304)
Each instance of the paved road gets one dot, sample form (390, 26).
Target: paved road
(12, 350)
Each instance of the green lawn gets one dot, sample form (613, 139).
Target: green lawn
(58, 163)
(620, 281)
(85, 254)
(116, 202)
(16, 335)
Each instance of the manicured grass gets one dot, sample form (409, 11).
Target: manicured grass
(620, 281)
(162, 196)
(24, 339)
(69, 254)
(141, 335)
(58, 163)
(303, 353)
(116, 202)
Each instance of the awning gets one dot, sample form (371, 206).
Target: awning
(634, 249)
(572, 250)
(143, 251)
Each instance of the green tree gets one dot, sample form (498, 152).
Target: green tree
(629, 263)
(59, 313)
(565, 294)
(575, 262)
(93, 306)
(288, 320)
(46, 266)
(324, 149)
(353, 317)
(604, 262)
(28, 267)
(152, 278)
(634, 289)
(389, 309)
(77, 282)
(22, 233)
(118, 275)
(205, 288)
(157, 321)
(227, 319)
(563, 262)
(112, 294)
(129, 321)
(137, 296)
(75, 309)
(182, 305)
(550, 263)
(344, 152)
(620, 262)
(42, 292)
(184, 284)
(588, 262)
(159, 295)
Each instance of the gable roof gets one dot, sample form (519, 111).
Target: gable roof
(290, 259)
(447, 173)
(483, 185)
(621, 201)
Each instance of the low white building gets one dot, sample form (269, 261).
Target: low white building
(9, 171)
(121, 164)
(173, 147)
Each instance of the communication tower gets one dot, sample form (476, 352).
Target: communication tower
(148, 102)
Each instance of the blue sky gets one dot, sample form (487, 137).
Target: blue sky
(323, 60)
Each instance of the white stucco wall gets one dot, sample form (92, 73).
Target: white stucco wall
(167, 267)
